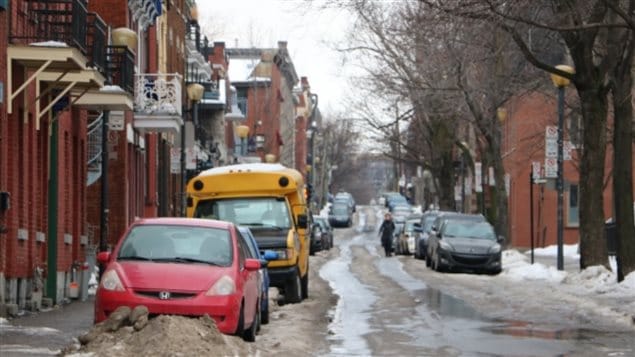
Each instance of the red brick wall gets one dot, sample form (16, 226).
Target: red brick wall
(524, 142)
(113, 12)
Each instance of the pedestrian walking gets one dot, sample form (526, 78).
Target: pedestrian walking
(385, 232)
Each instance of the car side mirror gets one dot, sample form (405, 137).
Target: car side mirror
(270, 255)
(252, 264)
(500, 239)
(264, 263)
(103, 257)
(303, 221)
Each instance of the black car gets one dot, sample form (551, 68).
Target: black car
(438, 222)
(327, 231)
(466, 245)
(340, 215)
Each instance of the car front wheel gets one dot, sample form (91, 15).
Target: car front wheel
(293, 289)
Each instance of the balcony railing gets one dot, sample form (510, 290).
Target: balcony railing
(120, 67)
(158, 94)
(62, 21)
(97, 41)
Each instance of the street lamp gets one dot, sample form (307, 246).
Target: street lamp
(560, 82)
(243, 132)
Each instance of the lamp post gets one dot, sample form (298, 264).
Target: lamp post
(243, 132)
(560, 82)
(194, 94)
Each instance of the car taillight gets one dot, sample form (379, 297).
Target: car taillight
(110, 281)
(224, 286)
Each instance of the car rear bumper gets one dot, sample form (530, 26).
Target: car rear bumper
(225, 310)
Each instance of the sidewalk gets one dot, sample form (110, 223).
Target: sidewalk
(45, 333)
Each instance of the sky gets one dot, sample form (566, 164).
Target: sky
(310, 33)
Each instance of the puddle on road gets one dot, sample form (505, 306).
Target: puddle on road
(350, 320)
(442, 320)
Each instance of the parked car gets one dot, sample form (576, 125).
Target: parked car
(399, 226)
(348, 198)
(466, 244)
(327, 231)
(263, 257)
(443, 217)
(317, 243)
(424, 229)
(340, 215)
(407, 237)
(183, 266)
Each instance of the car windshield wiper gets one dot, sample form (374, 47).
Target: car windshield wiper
(194, 260)
(133, 257)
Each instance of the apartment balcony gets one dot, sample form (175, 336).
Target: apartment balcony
(158, 102)
(60, 43)
(118, 93)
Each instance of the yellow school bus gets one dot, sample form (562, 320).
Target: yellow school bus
(269, 199)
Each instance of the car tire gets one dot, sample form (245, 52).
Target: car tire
(264, 314)
(240, 327)
(293, 289)
(437, 263)
(249, 335)
(305, 284)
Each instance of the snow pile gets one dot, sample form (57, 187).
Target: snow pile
(593, 279)
(163, 335)
(517, 268)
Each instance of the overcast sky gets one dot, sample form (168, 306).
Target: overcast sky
(311, 34)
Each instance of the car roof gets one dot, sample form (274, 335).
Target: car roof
(183, 221)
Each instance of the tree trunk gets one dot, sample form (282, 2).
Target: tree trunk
(446, 183)
(593, 250)
(623, 173)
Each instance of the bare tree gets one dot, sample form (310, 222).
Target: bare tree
(583, 28)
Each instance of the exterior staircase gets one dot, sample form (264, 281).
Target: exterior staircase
(94, 146)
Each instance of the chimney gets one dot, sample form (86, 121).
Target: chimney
(304, 81)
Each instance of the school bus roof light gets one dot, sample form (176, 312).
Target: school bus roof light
(283, 181)
(198, 185)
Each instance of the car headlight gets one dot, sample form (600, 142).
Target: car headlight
(445, 245)
(496, 248)
(224, 286)
(283, 254)
(111, 282)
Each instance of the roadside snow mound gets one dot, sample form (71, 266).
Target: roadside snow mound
(165, 335)
(594, 279)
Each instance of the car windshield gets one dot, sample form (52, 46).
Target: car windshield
(340, 210)
(177, 243)
(428, 222)
(467, 229)
(253, 212)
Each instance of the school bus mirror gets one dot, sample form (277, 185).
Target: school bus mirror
(303, 221)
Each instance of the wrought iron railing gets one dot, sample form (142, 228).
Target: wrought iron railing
(120, 67)
(97, 32)
(62, 21)
(158, 94)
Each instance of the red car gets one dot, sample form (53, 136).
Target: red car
(183, 266)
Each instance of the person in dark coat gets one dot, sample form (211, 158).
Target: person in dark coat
(386, 231)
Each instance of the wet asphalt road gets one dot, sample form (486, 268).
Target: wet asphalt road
(385, 311)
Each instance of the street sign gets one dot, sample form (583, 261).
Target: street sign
(551, 132)
(535, 169)
(551, 168)
(551, 148)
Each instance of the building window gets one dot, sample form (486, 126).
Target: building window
(573, 206)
